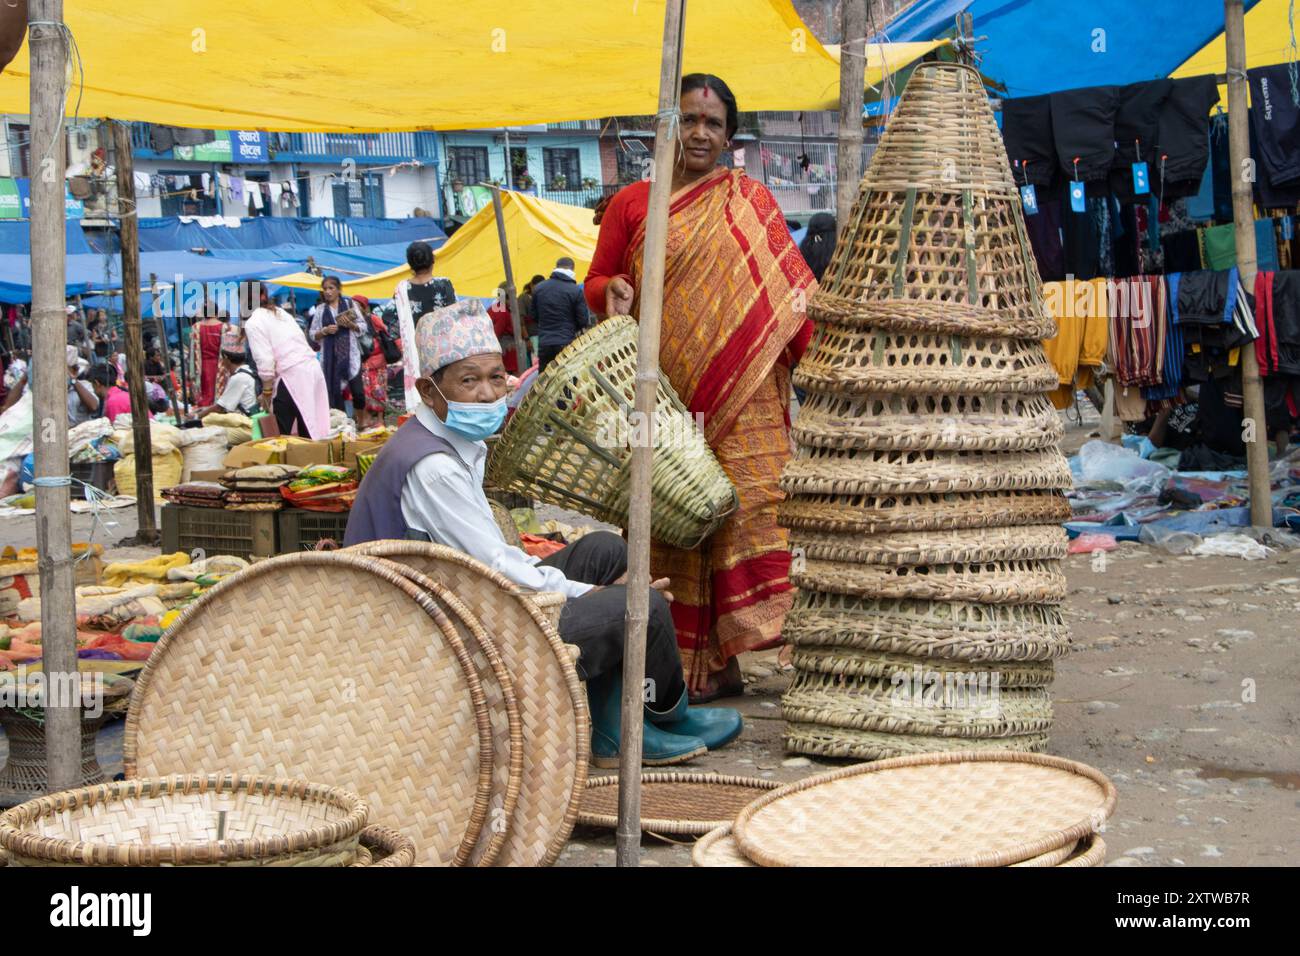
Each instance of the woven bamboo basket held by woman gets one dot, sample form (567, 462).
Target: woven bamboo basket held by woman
(734, 325)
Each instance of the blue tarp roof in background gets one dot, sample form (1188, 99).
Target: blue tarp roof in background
(1041, 46)
(363, 260)
(87, 271)
(15, 237)
(263, 232)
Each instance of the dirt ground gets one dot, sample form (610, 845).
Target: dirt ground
(1181, 687)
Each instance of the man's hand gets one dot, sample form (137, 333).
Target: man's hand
(618, 296)
(264, 399)
(662, 587)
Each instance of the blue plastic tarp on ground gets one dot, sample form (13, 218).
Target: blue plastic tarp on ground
(1042, 46)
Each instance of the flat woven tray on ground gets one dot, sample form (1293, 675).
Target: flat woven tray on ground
(936, 239)
(326, 665)
(850, 662)
(552, 704)
(953, 705)
(950, 630)
(961, 545)
(569, 442)
(685, 804)
(818, 740)
(197, 820)
(1051, 857)
(503, 707)
(829, 471)
(972, 809)
(990, 582)
(875, 513)
(892, 422)
(1091, 851)
(718, 848)
(842, 359)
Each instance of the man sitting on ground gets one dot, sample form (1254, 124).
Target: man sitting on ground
(240, 393)
(427, 484)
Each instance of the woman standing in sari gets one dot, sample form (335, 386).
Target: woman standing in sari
(734, 324)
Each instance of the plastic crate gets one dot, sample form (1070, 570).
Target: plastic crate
(301, 529)
(244, 534)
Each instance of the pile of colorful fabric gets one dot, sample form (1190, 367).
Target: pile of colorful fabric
(322, 488)
(196, 494)
(257, 487)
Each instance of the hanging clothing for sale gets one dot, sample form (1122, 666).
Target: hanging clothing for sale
(1136, 309)
(1137, 130)
(1266, 346)
(1268, 194)
(1171, 369)
(1044, 231)
(1083, 128)
(1182, 251)
(1081, 239)
(1220, 244)
(1080, 312)
(1285, 317)
(1130, 406)
(1213, 199)
(1027, 135)
(1185, 134)
(1275, 117)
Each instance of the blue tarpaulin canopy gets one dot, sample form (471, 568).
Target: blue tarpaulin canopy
(262, 232)
(1042, 46)
(362, 260)
(15, 237)
(87, 272)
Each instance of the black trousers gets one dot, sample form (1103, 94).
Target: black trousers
(545, 353)
(286, 412)
(595, 621)
(357, 386)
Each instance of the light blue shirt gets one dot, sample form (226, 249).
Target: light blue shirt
(443, 497)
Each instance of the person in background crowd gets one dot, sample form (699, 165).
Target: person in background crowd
(732, 331)
(114, 399)
(240, 393)
(561, 312)
(503, 323)
(83, 398)
(153, 361)
(103, 337)
(526, 314)
(76, 331)
(374, 369)
(205, 353)
(421, 293)
(427, 484)
(819, 243)
(293, 385)
(333, 332)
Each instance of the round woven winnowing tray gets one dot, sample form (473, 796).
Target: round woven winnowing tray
(1051, 857)
(717, 848)
(503, 707)
(989, 582)
(957, 546)
(552, 704)
(818, 740)
(830, 471)
(892, 422)
(918, 701)
(844, 359)
(876, 513)
(949, 630)
(851, 662)
(684, 804)
(952, 809)
(1091, 851)
(326, 666)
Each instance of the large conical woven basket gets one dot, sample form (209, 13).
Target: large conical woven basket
(570, 443)
(213, 820)
(926, 491)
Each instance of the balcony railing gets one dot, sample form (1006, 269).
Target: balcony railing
(587, 196)
(586, 125)
(416, 145)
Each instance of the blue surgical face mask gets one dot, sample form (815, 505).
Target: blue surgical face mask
(474, 420)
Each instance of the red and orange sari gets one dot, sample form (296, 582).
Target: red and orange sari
(734, 324)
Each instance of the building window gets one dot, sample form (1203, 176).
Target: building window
(182, 194)
(360, 197)
(633, 160)
(469, 164)
(19, 149)
(562, 169)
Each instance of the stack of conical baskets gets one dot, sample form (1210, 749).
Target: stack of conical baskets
(926, 494)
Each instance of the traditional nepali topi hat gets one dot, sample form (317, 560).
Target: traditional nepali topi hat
(452, 333)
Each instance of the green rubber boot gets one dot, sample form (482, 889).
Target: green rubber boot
(659, 748)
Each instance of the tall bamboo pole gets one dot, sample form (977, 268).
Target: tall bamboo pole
(1243, 215)
(521, 352)
(651, 293)
(129, 232)
(161, 326)
(848, 154)
(49, 51)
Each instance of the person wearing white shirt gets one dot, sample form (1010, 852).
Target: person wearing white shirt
(240, 393)
(427, 483)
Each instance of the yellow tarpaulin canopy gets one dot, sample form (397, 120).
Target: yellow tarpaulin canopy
(436, 64)
(1268, 35)
(538, 232)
